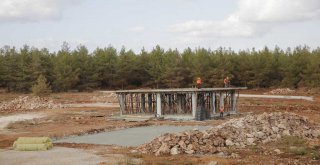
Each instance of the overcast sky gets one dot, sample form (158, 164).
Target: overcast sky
(239, 24)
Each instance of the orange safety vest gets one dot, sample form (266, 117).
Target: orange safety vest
(199, 81)
(225, 81)
(222, 109)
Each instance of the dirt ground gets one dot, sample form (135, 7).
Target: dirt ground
(58, 123)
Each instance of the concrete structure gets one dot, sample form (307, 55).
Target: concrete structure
(198, 104)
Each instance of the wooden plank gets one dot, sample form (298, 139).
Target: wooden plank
(143, 102)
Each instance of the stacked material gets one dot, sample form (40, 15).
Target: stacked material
(32, 144)
(242, 132)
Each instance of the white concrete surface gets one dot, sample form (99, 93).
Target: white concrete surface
(131, 136)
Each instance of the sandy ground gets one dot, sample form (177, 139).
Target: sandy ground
(92, 120)
(278, 97)
(82, 105)
(57, 155)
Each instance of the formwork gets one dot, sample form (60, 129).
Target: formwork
(191, 103)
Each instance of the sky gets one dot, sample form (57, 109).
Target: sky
(137, 24)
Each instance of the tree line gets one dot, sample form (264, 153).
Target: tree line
(108, 68)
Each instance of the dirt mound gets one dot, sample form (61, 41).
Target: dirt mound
(29, 102)
(241, 132)
(281, 91)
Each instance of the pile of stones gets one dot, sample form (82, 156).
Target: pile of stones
(29, 102)
(241, 132)
(281, 91)
(105, 98)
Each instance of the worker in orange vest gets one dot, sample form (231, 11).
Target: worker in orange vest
(198, 83)
(221, 112)
(226, 82)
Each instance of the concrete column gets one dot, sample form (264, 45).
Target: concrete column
(194, 104)
(213, 101)
(234, 102)
(143, 102)
(158, 104)
(221, 100)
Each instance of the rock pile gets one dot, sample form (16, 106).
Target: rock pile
(281, 91)
(29, 102)
(105, 98)
(249, 130)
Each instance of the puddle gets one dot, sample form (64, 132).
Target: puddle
(131, 136)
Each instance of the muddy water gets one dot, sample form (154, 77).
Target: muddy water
(131, 136)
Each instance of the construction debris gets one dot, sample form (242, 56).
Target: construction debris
(29, 102)
(242, 132)
(281, 91)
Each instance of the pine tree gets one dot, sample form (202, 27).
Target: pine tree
(41, 88)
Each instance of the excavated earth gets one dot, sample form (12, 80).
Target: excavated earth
(241, 132)
(251, 137)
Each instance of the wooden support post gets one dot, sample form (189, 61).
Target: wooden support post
(170, 103)
(131, 103)
(158, 104)
(121, 98)
(179, 103)
(150, 103)
(143, 103)
(194, 104)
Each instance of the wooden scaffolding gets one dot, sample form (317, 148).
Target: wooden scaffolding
(200, 104)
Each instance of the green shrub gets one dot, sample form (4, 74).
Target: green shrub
(41, 88)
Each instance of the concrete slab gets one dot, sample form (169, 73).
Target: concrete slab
(129, 137)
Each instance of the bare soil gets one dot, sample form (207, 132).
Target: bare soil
(59, 123)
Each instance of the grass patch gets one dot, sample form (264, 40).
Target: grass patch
(292, 141)
(298, 146)
(129, 161)
(298, 150)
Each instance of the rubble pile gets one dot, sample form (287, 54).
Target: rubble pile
(281, 91)
(246, 131)
(105, 98)
(29, 102)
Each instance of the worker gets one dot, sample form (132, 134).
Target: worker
(226, 82)
(221, 112)
(198, 83)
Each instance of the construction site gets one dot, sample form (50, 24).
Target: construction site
(164, 126)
